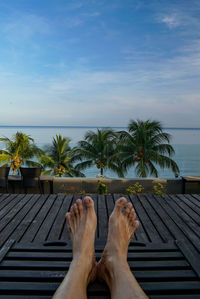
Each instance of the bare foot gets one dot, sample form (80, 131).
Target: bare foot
(122, 225)
(82, 222)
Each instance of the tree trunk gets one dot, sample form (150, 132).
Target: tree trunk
(101, 171)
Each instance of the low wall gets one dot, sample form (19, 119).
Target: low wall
(89, 185)
(57, 185)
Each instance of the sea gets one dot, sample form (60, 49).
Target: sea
(185, 141)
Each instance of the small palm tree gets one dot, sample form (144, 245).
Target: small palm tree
(19, 150)
(58, 158)
(99, 149)
(146, 145)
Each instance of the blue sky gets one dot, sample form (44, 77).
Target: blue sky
(102, 63)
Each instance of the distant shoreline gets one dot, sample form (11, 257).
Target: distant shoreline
(87, 127)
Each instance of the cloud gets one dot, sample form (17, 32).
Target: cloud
(171, 21)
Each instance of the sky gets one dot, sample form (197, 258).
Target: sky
(99, 62)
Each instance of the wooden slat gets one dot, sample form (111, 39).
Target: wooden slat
(53, 275)
(102, 218)
(157, 264)
(188, 206)
(5, 249)
(191, 255)
(145, 220)
(183, 214)
(10, 206)
(45, 227)
(69, 200)
(47, 202)
(185, 229)
(60, 219)
(14, 218)
(161, 228)
(26, 223)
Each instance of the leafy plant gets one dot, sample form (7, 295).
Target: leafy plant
(135, 189)
(99, 149)
(158, 189)
(145, 146)
(102, 188)
(18, 151)
(59, 159)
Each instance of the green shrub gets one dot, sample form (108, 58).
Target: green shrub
(102, 189)
(135, 189)
(158, 189)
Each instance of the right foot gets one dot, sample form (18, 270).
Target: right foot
(82, 222)
(121, 228)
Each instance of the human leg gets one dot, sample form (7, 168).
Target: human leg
(113, 266)
(82, 223)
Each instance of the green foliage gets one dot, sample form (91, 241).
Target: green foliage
(158, 189)
(99, 149)
(145, 146)
(102, 188)
(18, 151)
(135, 189)
(59, 159)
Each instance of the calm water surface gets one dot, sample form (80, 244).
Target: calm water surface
(186, 143)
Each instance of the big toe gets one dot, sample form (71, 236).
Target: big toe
(120, 204)
(88, 202)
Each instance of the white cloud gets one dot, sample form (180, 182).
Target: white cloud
(171, 21)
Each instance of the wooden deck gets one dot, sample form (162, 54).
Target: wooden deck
(36, 250)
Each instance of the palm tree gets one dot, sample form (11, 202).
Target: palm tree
(99, 149)
(58, 158)
(19, 150)
(145, 146)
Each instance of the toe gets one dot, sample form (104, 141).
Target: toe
(132, 217)
(88, 202)
(128, 208)
(120, 204)
(80, 206)
(76, 211)
(69, 221)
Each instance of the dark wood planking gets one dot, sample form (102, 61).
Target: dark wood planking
(140, 255)
(2, 198)
(183, 214)
(102, 217)
(189, 208)
(60, 219)
(49, 219)
(29, 219)
(161, 228)
(195, 198)
(62, 265)
(14, 218)
(52, 275)
(9, 207)
(140, 232)
(185, 229)
(146, 222)
(68, 201)
(39, 218)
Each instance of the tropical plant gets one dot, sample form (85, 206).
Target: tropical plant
(158, 189)
(59, 159)
(99, 149)
(102, 188)
(135, 189)
(18, 151)
(145, 145)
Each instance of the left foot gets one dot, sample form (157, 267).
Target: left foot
(82, 222)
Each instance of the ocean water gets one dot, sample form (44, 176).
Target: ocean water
(186, 143)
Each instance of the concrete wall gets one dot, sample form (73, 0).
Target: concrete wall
(76, 185)
(89, 185)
